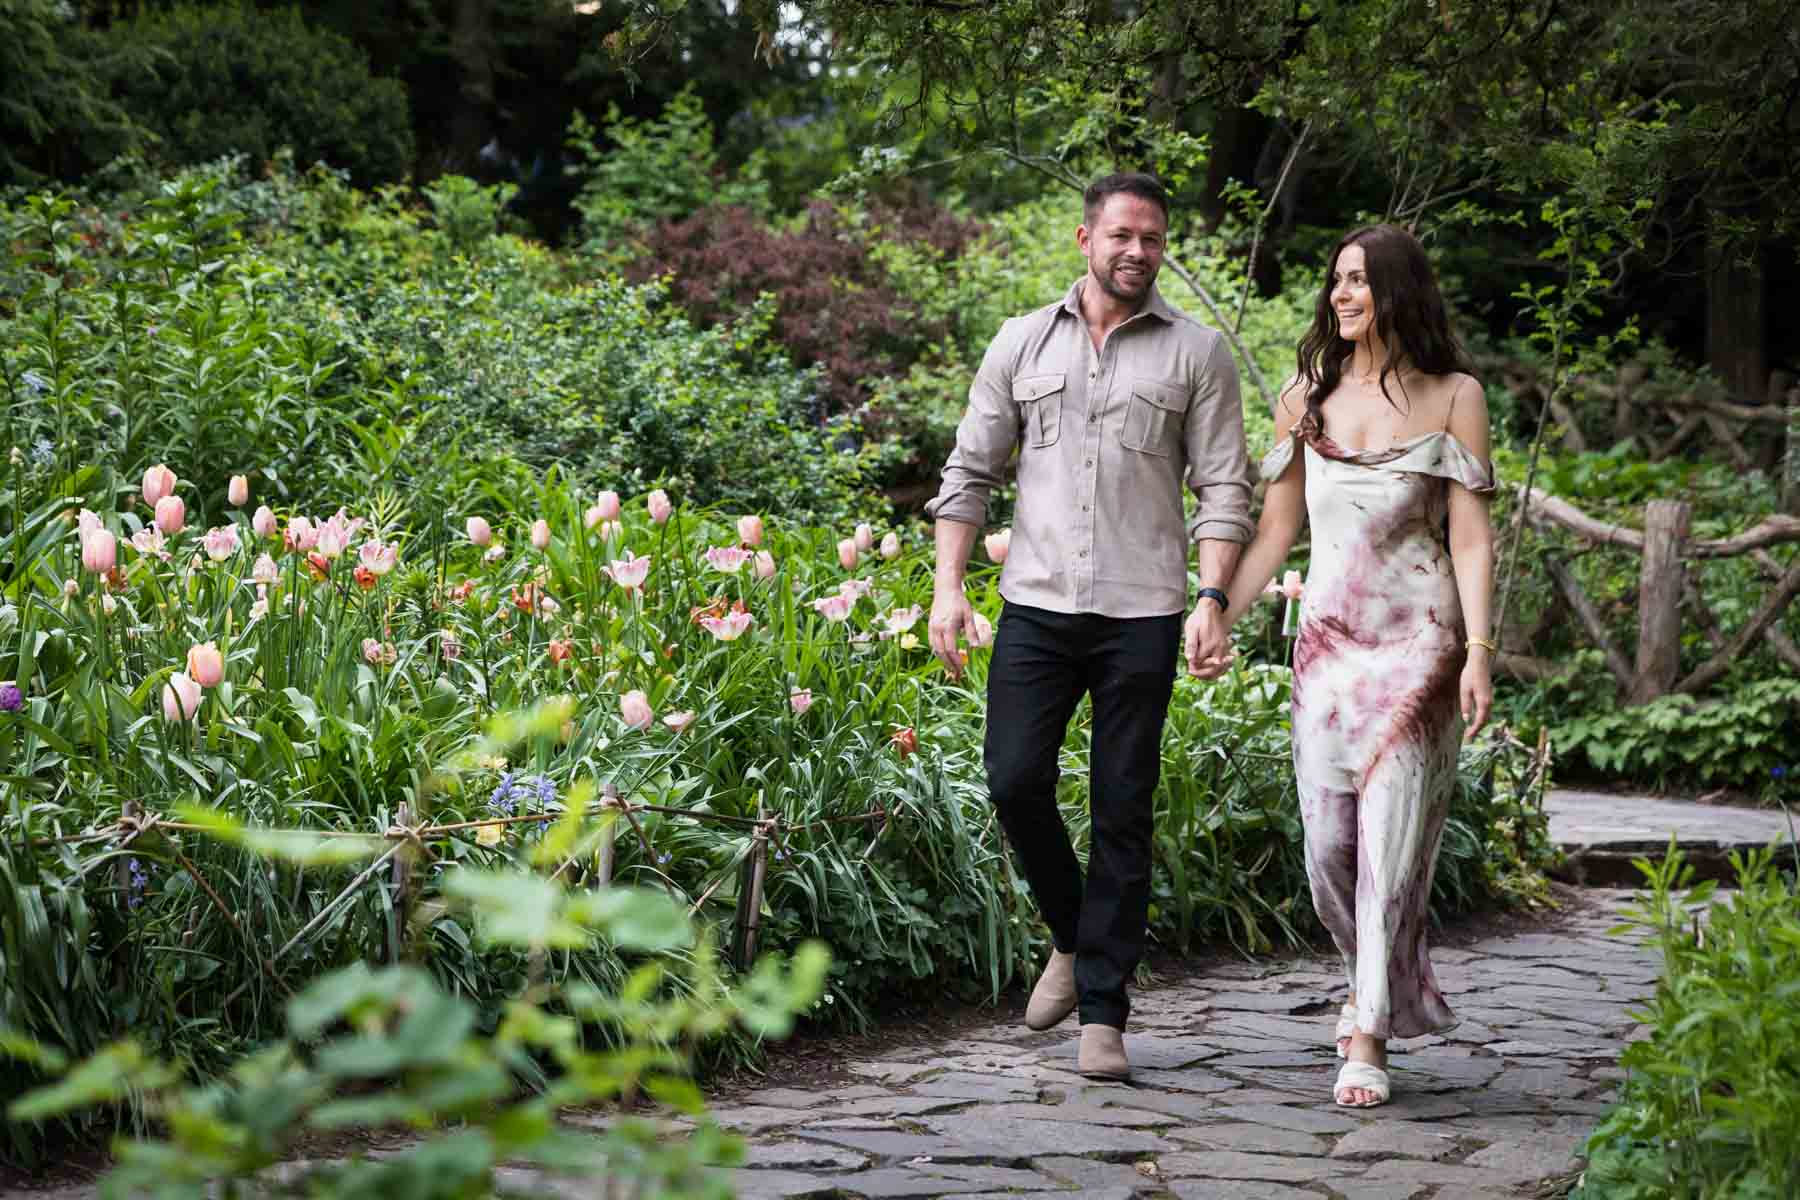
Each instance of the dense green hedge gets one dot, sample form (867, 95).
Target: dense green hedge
(225, 79)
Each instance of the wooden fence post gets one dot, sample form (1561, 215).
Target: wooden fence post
(609, 845)
(402, 879)
(1660, 587)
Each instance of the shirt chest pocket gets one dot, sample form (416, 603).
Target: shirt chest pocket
(1155, 416)
(1040, 401)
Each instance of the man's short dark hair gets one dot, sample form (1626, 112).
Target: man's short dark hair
(1129, 183)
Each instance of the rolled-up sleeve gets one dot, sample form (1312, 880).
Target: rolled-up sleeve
(1218, 468)
(985, 437)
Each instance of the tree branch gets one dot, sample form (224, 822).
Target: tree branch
(1590, 619)
(1773, 605)
(1199, 289)
(1772, 530)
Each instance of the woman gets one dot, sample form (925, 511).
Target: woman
(1382, 443)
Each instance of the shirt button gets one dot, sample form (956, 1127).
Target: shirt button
(1084, 554)
(1093, 418)
(1090, 462)
(1084, 508)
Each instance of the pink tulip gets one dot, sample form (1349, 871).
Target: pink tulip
(729, 559)
(171, 514)
(750, 530)
(221, 542)
(159, 481)
(180, 698)
(205, 665)
(378, 556)
(592, 517)
(629, 572)
(634, 706)
(494, 553)
(890, 545)
(262, 524)
(265, 571)
(150, 540)
(865, 537)
(333, 540)
(835, 607)
(1291, 585)
(375, 653)
(480, 532)
(302, 535)
(847, 555)
(999, 544)
(855, 588)
(765, 565)
(728, 628)
(611, 529)
(900, 620)
(85, 523)
(237, 492)
(451, 647)
(540, 534)
(658, 504)
(679, 721)
(800, 699)
(606, 504)
(99, 551)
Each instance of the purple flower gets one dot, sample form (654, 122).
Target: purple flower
(502, 799)
(546, 791)
(11, 698)
(140, 879)
(1775, 773)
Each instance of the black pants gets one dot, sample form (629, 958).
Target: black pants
(1043, 662)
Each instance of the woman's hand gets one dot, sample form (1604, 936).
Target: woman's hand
(1477, 691)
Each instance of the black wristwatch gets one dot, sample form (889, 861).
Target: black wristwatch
(1216, 594)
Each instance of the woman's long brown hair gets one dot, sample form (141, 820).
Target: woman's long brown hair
(1410, 319)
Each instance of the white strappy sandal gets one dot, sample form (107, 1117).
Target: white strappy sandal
(1346, 1028)
(1365, 1076)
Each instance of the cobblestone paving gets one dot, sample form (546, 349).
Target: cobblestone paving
(1231, 1093)
(1230, 1097)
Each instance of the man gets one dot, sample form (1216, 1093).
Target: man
(1113, 398)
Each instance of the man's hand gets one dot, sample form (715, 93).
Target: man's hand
(951, 614)
(1204, 641)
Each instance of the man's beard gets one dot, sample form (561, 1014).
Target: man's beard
(1111, 285)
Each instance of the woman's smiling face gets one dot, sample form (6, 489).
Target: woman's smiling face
(1351, 298)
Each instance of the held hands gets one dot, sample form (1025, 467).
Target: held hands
(1204, 642)
(1477, 692)
(951, 614)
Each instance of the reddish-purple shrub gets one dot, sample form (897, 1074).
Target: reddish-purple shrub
(835, 306)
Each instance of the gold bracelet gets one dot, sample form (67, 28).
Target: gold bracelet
(1475, 641)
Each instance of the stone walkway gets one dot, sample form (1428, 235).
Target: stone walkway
(1230, 1098)
(1231, 1093)
(1601, 832)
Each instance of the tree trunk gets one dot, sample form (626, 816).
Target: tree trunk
(1660, 587)
(1735, 345)
(1238, 137)
(1790, 459)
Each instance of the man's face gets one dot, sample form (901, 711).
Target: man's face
(1124, 245)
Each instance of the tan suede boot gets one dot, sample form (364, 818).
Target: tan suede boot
(1102, 1054)
(1054, 996)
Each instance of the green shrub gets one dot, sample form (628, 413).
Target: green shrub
(660, 169)
(1712, 1099)
(229, 79)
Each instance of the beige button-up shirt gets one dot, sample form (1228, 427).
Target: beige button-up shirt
(1106, 439)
